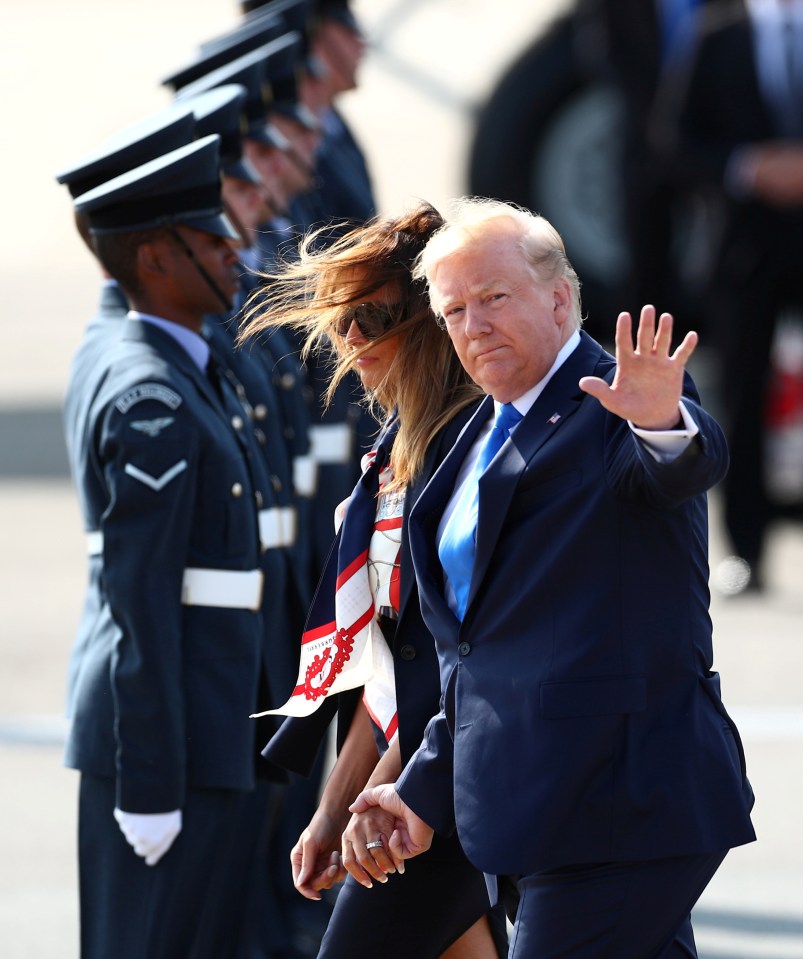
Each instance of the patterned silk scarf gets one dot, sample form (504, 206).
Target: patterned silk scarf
(336, 646)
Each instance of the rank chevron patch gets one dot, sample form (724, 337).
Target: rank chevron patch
(155, 482)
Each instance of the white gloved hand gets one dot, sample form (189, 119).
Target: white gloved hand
(150, 834)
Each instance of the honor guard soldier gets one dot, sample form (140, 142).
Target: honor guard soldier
(269, 925)
(282, 134)
(275, 353)
(164, 684)
(246, 372)
(145, 140)
(344, 190)
(133, 146)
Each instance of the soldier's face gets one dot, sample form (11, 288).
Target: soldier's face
(217, 257)
(248, 202)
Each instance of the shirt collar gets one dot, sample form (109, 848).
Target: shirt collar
(525, 402)
(191, 342)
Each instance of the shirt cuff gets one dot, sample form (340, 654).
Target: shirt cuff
(667, 445)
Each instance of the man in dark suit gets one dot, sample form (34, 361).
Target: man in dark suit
(635, 45)
(582, 743)
(166, 677)
(737, 121)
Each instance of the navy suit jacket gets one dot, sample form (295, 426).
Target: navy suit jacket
(581, 720)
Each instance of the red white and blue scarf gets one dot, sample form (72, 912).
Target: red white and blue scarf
(337, 652)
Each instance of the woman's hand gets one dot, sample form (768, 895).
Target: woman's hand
(315, 858)
(402, 834)
(363, 862)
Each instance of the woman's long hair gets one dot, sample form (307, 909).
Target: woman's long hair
(426, 383)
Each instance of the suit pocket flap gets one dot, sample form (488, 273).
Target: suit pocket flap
(594, 697)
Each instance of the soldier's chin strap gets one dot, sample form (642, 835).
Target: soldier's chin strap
(315, 182)
(276, 208)
(203, 272)
(237, 223)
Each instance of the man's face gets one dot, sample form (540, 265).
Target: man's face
(304, 142)
(506, 327)
(248, 203)
(217, 256)
(341, 51)
(269, 163)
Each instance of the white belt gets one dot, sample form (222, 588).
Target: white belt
(277, 526)
(228, 588)
(94, 543)
(305, 475)
(331, 443)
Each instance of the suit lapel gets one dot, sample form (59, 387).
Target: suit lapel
(427, 512)
(560, 399)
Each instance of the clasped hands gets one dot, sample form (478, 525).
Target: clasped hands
(327, 850)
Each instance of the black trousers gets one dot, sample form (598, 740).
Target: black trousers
(629, 910)
(413, 916)
(133, 911)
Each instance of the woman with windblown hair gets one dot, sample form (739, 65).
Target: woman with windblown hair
(357, 299)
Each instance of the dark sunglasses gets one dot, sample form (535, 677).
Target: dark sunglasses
(372, 319)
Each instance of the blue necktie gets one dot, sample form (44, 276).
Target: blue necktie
(458, 543)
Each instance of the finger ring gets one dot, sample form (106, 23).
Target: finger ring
(374, 845)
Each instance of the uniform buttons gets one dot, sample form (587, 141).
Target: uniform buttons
(260, 411)
(237, 422)
(237, 489)
(287, 381)
(258, 499)
(464, 649)
(277, 484)
(407, 652)
(261, 438)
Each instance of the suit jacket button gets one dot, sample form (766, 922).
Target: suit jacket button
(464, 649)
(237, 489)
(407, 652)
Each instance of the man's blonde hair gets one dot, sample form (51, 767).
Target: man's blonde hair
(473, 218)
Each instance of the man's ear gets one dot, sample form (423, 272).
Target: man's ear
(152, 258)
(561, 299)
